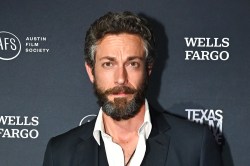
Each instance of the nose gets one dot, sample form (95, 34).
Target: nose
(121, 75)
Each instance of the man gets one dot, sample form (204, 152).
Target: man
(119, 49)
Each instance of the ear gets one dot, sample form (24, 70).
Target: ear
(89, 71)
(150, 67)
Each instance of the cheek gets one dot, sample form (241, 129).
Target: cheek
(137, 78)
(103, 80)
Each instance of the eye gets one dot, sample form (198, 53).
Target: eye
(107, 64)
(134, 64)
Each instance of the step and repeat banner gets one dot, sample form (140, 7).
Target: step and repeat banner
(201, 73)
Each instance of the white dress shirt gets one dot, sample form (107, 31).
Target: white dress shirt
(114, 151)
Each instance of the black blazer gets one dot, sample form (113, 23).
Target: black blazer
(172, 142)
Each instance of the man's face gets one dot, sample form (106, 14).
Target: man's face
(120, 75)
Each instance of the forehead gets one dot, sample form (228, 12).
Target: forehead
(120, 44)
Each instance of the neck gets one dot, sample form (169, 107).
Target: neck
(123, 130)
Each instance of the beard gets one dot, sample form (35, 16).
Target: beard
(121, 108)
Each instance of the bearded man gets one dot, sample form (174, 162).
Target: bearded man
(119, 54)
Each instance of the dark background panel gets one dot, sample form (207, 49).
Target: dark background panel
(54, 86)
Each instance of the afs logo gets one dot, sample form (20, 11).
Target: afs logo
(10, 46)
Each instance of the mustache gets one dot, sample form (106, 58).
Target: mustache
(120, 89)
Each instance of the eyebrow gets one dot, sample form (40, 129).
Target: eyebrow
(108, 58)
(135, 57)
(128, 59)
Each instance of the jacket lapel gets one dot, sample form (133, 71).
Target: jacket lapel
(87, 150)
(87, 153)
(90, 153)
(158, 141)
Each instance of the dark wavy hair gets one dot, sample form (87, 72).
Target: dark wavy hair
(117, 23)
